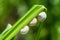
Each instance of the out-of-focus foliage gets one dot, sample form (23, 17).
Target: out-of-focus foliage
(12, 10)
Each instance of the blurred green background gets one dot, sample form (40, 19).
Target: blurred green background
(12, 10)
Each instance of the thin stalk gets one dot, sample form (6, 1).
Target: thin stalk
(40, 25)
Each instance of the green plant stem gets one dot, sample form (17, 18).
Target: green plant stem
(40, 25)
(33, 12)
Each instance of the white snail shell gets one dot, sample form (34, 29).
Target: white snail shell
(42, 16)
(24, 30)
(33, 22)
(9, 26)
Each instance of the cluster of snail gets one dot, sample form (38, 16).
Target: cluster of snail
(41, 17)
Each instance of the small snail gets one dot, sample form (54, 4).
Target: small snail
(33, 22)
(42, 16)
(24, 30)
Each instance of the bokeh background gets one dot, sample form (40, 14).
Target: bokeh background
(12, 10)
